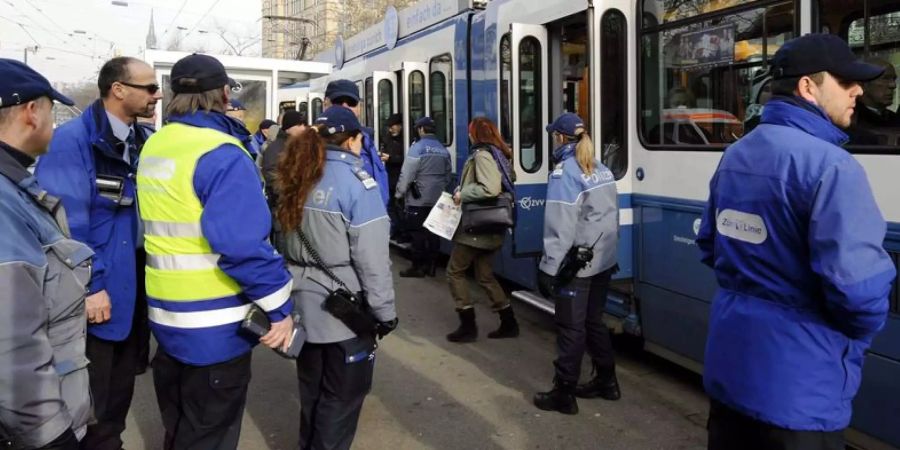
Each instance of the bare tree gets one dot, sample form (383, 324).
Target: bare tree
(238, 42)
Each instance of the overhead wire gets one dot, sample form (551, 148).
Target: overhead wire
(194, 27)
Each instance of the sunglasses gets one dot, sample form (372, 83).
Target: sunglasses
(150, 88)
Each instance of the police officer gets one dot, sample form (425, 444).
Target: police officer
(45, 400)
(90, 166)
(208, 260)
(328, 199)
(345, 93)
(581, 234)
(425, 175)
(795, 238)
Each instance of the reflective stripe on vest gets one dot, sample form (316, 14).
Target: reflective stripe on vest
(181, 266)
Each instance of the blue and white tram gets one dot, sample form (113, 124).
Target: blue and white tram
(665, 87)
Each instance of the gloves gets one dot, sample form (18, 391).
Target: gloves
(384, 328)
(546, 284)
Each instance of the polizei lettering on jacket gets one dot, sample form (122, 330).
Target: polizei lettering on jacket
(741, 226)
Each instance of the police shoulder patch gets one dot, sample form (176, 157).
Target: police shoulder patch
(366, 179)
(557, 171)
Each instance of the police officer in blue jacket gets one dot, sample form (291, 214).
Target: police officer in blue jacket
(324, 193)
(795, 237)
(345, 93)
(90, 166)
(45, 401)
(425, 175)
(581, 235)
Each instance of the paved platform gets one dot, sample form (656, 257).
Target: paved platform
(432, 394)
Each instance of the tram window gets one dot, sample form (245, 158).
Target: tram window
(385, 102)
(416, 97)
(316, 109)
(286, 106)
(505, 86)
(362, 111)
(370, 118)
(707, 71)
(441, 91)
(876, 123)
(304, 108)
(530, 105)
(670, 11)
(613, 92)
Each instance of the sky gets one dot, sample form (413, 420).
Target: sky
(75, 37)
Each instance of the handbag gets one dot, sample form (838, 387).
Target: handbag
(350, 308)
(492, 215)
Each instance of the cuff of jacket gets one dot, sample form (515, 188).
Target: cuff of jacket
(548, 268)
(97, 284)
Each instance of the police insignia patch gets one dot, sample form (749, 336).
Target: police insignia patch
(366, 179)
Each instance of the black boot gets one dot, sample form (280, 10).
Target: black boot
(414, 271)
(603, 385)
(467, 331)
(509, 327)
(561, 398)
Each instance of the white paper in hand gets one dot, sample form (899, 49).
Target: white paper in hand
(444, 217)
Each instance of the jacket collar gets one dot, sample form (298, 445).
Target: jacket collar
(564, 152)
(100, 133)
(797, 113)
(335, 153)
(216, 121)
(12, 164)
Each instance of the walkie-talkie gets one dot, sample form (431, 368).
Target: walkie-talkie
(577, 258)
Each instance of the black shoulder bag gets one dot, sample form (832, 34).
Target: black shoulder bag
(493, 215)
(350, 308)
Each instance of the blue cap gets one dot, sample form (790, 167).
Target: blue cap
(819, 52)
(337, 119)
(236, 105)
(424, 122)
(198, 73)
(21, 84)
(566, 124)
(342, 88)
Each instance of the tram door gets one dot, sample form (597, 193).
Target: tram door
(316, 102)
(528, 115)
(414, 98)
(384, 100)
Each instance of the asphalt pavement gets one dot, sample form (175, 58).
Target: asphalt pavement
(432, 394)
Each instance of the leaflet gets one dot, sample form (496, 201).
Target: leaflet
(444, 217)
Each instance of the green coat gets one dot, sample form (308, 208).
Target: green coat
(481, 180)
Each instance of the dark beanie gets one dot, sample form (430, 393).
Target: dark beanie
(292, 118)
(395, 119)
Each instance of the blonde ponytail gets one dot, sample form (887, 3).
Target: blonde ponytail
(584, 151)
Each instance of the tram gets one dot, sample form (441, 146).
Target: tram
(664, 87)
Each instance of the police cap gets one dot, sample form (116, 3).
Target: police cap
(198, 73)
(22, 84)
(338, 119)
(342, 88)
(567, 124)
(819, 52)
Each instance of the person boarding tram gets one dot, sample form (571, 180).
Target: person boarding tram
(581, 234)
(334, 233)
(426, 174)
(45, 400)
(795, 238)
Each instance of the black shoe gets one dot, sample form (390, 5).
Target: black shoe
(559, 399)
(509, 327)
(431, 269)
(467, 331)
(603, 385)
(414, 271)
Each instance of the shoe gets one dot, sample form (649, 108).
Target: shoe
(467, 331)
(431, 269)
(509, 327)
(603, 385)
(560, 398)
(414, 271)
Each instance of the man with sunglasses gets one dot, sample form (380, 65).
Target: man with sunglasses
(91, 166)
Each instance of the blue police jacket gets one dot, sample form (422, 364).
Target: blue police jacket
(373, 165)
(83, 149)
(795, 238)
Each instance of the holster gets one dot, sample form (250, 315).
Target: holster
(351, 309)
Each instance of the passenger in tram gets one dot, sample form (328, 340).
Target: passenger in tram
(680, 97)
(340, 241)
(486, 174)
(91, 166)
(581, 233)
(426, 174)
(760, 94)
(45, 400)
(392, 155)
(209, 261)
(262, 133)
(345, 93)
(293, 123)
(874, 122)
(795, 237)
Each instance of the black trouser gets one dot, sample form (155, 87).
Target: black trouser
(579, 326)
(141, 323)
(731, 430)
(425, 244)
(111, 372)
(201, 406)
(334, 380)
